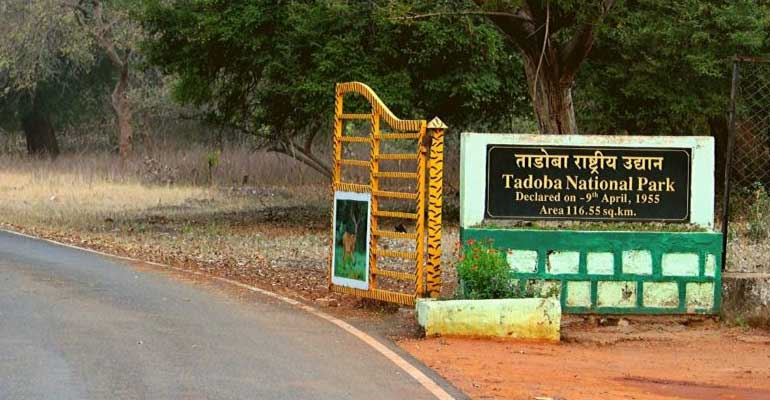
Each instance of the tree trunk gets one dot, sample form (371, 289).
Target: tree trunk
(552, 98)
(552, 57)
(39, 133)
(123, 113)
(102, 31)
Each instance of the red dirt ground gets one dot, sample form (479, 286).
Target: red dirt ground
(641, 361)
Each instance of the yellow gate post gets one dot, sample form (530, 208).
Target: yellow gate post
(422, 155)
(374, 183)
(336, 168)
(436, 130)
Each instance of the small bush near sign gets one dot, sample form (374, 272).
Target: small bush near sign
(485, 274)
(350, 265)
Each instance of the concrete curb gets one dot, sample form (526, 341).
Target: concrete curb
(534, 318)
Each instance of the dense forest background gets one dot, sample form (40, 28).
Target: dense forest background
(137, 77)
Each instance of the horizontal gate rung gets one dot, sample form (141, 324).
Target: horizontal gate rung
(395, 195)
(408, 255)
(395, 214)
(399, 135)
(395, 235)
(356, 116)
(356, 139)
(378, 294)
(396, 175)
(352, 187)
(398, 156)
(355, 163)
(394, 274)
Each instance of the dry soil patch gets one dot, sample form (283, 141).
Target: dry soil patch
(655, 363)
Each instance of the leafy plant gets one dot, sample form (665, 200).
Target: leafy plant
(759, 215)
(485, 274)
(639, 79)
(212, 159)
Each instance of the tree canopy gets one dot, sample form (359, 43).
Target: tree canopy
(54, 61)
(269, 68)
(665, 67)
(554, 38)
(43, 56)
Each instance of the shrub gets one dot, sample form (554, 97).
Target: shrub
(484, 273)
(759, 215)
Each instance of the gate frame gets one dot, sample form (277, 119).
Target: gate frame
(430, 161)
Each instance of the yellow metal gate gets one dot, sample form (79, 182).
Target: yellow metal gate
(429, 145)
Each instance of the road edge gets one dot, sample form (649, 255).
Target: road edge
(425, 381)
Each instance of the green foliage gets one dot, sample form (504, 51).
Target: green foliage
(485, 274)
(759, 215)
(269, 68)
(664, 67)
(44, 59)
(350, 268)
(212, 158)
(40, 43)
(72, 97)
(51, 61)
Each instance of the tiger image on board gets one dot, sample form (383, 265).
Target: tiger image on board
(351, 239)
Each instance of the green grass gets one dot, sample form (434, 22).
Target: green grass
(351, 270)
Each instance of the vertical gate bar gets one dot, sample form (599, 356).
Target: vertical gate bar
(338, 95)
(337, 136)
(435, 202)
(374, 168)
(420, 229)
(728, 162)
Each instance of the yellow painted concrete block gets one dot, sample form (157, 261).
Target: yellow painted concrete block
(535, 318)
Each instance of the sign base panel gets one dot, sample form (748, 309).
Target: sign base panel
(615, 272)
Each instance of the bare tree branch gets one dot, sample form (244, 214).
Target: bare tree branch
(519, 30)
(103, 37)
(545, 45)
(297, 152)
(309, 139)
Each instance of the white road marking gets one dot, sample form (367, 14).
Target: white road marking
(428, 383)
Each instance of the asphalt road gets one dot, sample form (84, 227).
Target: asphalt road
(74, 325)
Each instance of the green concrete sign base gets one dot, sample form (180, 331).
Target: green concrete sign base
(533, 318)
(616, 272)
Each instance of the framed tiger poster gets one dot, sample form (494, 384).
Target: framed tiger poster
(350, 252)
